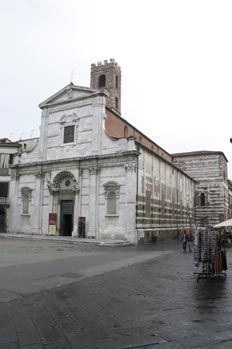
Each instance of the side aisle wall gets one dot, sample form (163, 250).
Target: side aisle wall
(165, 199)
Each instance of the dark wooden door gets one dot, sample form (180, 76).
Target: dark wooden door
(66, 217)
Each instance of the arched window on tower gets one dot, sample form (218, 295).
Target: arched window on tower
(202, 199)
(102, 81)
(116, 81)
(116, 102)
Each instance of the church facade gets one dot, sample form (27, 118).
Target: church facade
(94, 175)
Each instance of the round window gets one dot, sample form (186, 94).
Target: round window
(67, 183)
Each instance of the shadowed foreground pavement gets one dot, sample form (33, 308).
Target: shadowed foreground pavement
(153, 304)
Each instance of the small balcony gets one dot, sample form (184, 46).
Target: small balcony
(4, 171)
(4, 201)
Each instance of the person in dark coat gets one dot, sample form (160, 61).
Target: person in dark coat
(190, 239)
(184, 241)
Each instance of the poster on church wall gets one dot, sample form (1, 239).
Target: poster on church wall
(52, 223)
(52, 218)
(52, 230)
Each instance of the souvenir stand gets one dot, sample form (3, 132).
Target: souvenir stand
(209, 255)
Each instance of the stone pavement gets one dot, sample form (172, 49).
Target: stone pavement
(154, 304)
(68, 239)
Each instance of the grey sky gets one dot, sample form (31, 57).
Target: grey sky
(175, 58)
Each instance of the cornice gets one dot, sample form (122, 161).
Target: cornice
(96, 158)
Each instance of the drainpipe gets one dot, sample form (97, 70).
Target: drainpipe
(177, 199)
(137, 190)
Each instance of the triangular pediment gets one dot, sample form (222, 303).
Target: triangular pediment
(68, 93)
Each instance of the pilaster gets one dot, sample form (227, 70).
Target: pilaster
(93, 201)
(38, 204)
(130, 201)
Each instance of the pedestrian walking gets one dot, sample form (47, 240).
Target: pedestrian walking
(184, 241)
(190, 239)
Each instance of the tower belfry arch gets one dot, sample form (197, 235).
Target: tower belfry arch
(107, 76)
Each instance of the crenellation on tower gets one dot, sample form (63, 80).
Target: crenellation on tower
(106, 75)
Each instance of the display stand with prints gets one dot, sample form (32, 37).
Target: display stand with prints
(209, 255)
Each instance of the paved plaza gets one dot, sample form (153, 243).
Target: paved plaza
(59, 295)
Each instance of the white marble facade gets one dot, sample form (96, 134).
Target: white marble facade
(75, 171)
(90, 165)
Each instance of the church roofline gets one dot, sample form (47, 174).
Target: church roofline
(149, 139)
(165, 160)
(5, 142)
(67, 87)
(199, 153)
(27, 139)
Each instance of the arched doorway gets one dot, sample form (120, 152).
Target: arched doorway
(2, 220)
(64, 189)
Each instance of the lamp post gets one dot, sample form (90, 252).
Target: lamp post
(229, 192)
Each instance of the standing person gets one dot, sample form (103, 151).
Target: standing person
(189, 240)
(184, 240)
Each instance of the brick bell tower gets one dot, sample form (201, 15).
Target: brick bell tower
(107, 76)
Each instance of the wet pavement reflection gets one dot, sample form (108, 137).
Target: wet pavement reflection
(156, 303)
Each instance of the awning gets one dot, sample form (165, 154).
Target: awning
(227, 223)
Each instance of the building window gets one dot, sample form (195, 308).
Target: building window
(202, 199)
(116, 82)
(116, 102)
(69, 132)
(4, 160)
(4, 189)
(112, 198)
(26, 198)
(102, 81)
(11, 159)
(111, 203)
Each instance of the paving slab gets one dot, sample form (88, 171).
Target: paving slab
(147, 303)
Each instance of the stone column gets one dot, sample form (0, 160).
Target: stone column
(77, 204)
(14, 213)
(129, 219)
(75, 216)
(38, 202)
(53, 206)
(93, 201)
(76, 190)
(98, 121)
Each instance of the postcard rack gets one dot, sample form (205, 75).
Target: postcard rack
(209, 255)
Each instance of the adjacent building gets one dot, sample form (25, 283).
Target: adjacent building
(212, 194)
(7, 151)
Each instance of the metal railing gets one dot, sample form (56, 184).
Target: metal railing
(4, 171)
(4, 201)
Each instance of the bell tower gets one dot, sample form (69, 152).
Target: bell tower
(107, 76)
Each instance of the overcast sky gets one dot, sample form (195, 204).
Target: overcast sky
(175, 56)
